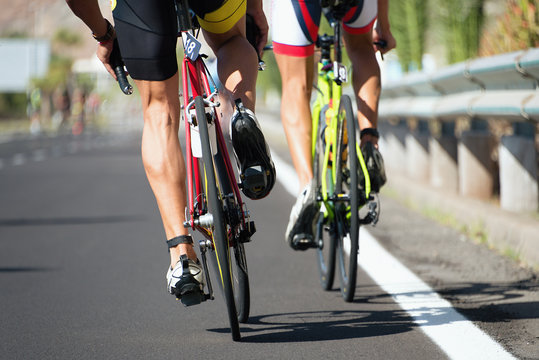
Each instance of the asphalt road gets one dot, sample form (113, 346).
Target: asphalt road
(83, 260)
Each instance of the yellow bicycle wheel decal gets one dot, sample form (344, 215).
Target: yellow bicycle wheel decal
(213, 234)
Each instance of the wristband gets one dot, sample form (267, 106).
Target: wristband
(369, 131)
(109, 35)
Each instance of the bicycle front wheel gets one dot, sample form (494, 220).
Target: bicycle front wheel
(325, 227)
(346, 187)
(219, 230)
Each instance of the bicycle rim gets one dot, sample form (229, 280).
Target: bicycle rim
(347, 212)
(325, 230)
(220, 236)
(240, 280)
(239, 270)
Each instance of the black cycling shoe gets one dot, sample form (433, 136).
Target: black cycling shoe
(375, 166)
(257, 172)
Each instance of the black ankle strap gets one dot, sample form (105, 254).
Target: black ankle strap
(182, 239)
(369, 131)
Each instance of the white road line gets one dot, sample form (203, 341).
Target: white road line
(453, 333)
(286, 174)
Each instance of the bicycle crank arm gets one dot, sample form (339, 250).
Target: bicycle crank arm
(339, 198)
(204, 246)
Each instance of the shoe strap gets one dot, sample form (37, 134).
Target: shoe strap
(182, 239)
(185, 264)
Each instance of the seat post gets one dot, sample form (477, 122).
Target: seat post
(184, 17)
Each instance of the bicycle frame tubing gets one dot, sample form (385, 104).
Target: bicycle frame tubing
(329, 86)
(195, 82)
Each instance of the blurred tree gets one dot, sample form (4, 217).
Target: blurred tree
(269, 80)
(461, 23)
(66, 37)
(58, 74)
(408, 20)
(12, 105)
(516, 29)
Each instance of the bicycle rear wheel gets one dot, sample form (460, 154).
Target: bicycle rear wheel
(325, 228)
(239, 270)
(347, 211)
(220, 234)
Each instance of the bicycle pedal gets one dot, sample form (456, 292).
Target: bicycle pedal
(303, 242)
(191, 298)
(189, 291)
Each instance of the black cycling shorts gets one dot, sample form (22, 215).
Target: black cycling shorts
(147, 31)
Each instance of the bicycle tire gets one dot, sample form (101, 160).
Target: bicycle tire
(347, 212)
(325, 228)
(239, 270)
(215, 202)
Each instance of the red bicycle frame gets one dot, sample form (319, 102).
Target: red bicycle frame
(195, 83)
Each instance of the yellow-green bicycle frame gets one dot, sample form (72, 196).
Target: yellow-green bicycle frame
(329, 94)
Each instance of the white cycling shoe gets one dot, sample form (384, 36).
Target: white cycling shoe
(186, 281)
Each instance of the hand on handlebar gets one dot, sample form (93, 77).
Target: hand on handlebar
(109, 54)
(383, 40)
(103, 52)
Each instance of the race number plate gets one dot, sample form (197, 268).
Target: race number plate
(341, 74)
(191, 46)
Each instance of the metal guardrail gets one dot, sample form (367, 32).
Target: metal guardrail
(503, 86)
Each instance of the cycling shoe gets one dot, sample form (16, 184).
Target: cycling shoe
(375, 166)
(257, 172)
(186, 281)
(303, 216)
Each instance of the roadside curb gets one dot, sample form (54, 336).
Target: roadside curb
(513, 234)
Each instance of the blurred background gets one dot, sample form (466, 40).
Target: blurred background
(458, 113)
(82, 253)
(49, 74)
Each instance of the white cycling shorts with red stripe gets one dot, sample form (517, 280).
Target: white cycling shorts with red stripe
(295, 24)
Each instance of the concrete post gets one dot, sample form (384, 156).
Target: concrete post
(443, 159)
(392, 146)
(476, 167)
(518, 170)
(417, 153)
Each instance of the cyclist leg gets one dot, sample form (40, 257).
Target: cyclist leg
(365, 80)
(237, 67)
(163, 158)
(297, 75)
(297, 78)
(295, 27)
(294, 30)
(358, 25)
(236, 62)
(155, 71)
(358, 39)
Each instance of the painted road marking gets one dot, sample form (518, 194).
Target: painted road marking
(458, 337)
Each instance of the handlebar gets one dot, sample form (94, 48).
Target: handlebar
(382, 44)
(118, 66)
